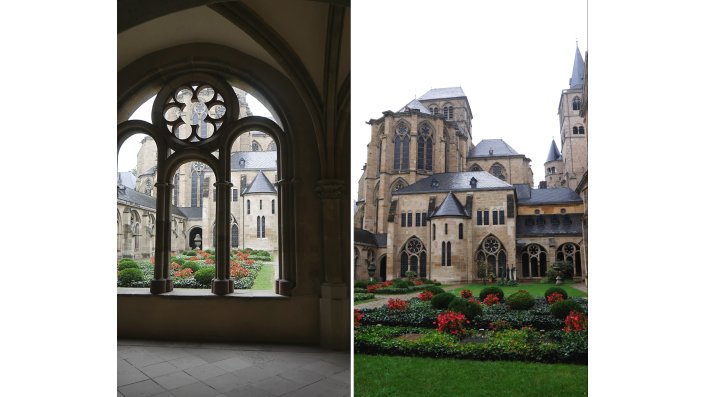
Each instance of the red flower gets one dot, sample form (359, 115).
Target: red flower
(575, 321)
(418, 282)
(466, 294)
(490, 299)
(358, 318)
(554, 297)
(397, 304)
(451, 323)
(373, 287)
(426, 295)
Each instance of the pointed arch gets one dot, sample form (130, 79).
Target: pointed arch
(424, 158)
(498, 171)
(398, 183)
(492, 251)
(401, 146)
(570, 252)
(533, 261)
(413, 257)
(577, 102)
(476, 167)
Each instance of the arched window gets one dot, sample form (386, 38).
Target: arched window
(424, 158)
(248, 207)
(460, 231)
(448, 254)
(259, 227)
(401, 148)
(434, 231)
(263, 227)
(256, 147)
(576, 103)
(575, 130)
(135, 230)
(260, 205)
(570, 252)
(399, 184)
(413, 258)
(498, 170)
(448, 112)
(533, 261)
(443, 253)
(581, 130)
(273, 207)
(433, 109)
(148, 187)
(197, 183)
(272, 146)
(475, 167)
(234, 236)
(492, 252)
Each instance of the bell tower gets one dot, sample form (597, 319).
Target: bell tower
(573, 130)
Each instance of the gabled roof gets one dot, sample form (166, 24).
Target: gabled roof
(126, 179)
(259, 185)
(498, 147)
(578, 77)
(254, 160)
(553, 153)
(440, 93)
(192, 212)
(362, 236)
(450, 207)
(132, 196)
(455, 182)
(415, 104)
(555, 195)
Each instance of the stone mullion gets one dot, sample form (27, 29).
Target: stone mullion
(162, 244)
(222, 284)
(285, 282)
(126, 233)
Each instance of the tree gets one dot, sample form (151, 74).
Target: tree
(482, 270)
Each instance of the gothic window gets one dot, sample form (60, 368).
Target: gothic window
(418, 219)
(446, 228)
(433, 109)
(479, 218)
(234, 193)
(460, 231)
(576, 103)
(498, 170)
(575, 130)
(424, 158)
(399, 184)
(434, 231)
(475, 167)
(403, 220)
(533, 261)
(175, 198)
(205, 188)
(424, 217)
(448, 254)
(409, 219)
(401, 148)
(243, 182)
(570, 252)
(260, 205)
(234, 236)
(197, 183)
(256, 147)
(443, 253)
(495, 217)
(148, 187)
(248, 207)
(263, 227)
(581, 130)
(501, 217)
(273, 206)
(492, 252)
(448, 112)
(272, 146)
(486, 216)
(413, 258)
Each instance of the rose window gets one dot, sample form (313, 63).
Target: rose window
(491, 245)
(533, 250)
(414, 246)
(194, 113)
(568, 249)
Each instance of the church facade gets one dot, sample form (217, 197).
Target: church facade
(432, 201)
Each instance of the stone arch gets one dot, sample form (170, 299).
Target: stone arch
(492, 251)
(413, 257)
(534, 261)
(498, 171)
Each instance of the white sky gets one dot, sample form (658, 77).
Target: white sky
(512, 59)
(127, 158)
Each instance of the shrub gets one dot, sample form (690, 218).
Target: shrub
(458, 305)
(191, 265)
(361, 284)
(442, 300)
(490, 300)
(470, 309)
(358, 318)
(491, 290)
(564, 268)
(500, 325)
(205, 275)
(399, 283)
(561, 309)
(520, 300)
(127, 264)
(410, 274)
(554, 297)
(426, 295)
(451, 323)
(552, 290)
(508, 283)
(189, 253)
(397, 304)
(126, 260)
(466, 294)
(130, 275)
(363, 296)
(575, 321)
(435, 290)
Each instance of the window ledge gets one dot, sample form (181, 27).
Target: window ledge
(179, 293)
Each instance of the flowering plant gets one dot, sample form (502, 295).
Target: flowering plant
(466, 294)
(358, 318)
(451, 323)
(426, 295)
(373, 287)
(175, 266)
(575, 321)
(188, 272)
(237, 271)
(210, 261)
(490, 299)
(397, 304)
(388, 283)
(418, 282)
(500, 325)
(554, 297)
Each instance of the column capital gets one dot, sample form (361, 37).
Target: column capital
(330, 188)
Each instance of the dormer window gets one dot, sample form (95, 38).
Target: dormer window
(434, 183)
(473, 183)
(242, 163)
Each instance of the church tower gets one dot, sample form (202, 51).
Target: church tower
(573, 130)
(553, 167)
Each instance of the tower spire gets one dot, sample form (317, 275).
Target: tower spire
(577, 79)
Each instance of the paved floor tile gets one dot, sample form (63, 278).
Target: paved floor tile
(323, 368)
(342, 376)
(249, 391)
(195, 390)
(175, 380)
(323, 388)
(277, 385)
(206, 371)
(160, 369)
(301, 376)
(255, 374)
(187, 362)
(130, 375)
(141, 389)
(225, 383)
(233, 364)
(213, 355)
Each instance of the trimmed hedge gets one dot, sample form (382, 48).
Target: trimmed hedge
(434, 289)
(361, 284)
(205, 275)
(418, 313)
(129, 276)
(555, 289)
(561, 309)
(520, 300)
(364, 297)
(127, 264)
(491, 290)
(191, 265)
(442, 300)
(469, 309)
(392, 290)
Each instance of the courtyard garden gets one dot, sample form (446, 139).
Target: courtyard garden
(528, 331)
(249, 269)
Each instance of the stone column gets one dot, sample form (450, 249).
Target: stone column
(334, 301)
(126, 234)
(162, 242)
(222, 284)
(287, 276)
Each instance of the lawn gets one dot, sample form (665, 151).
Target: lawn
(265, 277)
(536, 289)
(417, 376)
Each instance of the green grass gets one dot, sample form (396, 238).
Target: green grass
(265, 277)
(365, 301)
(536, 289)
(420, 376)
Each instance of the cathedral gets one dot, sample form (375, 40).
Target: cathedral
(433, 202)
(253, 209)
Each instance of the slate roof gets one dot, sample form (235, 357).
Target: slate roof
(144, 200)
(150, 171)
(553, 225)
(415, 104)
(254, 160)
(381, 239)
(553, 153)
(450, 207)
(439, 93)
(126, 179)
(523, 191)
(498, 147)
(192, 212)
(555, 195)
(260, 184)
(455, 182)
(578, 77)
(362, 236)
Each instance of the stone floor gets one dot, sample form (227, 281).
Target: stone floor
(152, 368)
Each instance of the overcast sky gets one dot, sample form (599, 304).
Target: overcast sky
(511, 58)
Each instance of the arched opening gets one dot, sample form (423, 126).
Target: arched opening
(383, 268)
(492, 252)
(195, 238)
(570, 252)
(413, 258)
